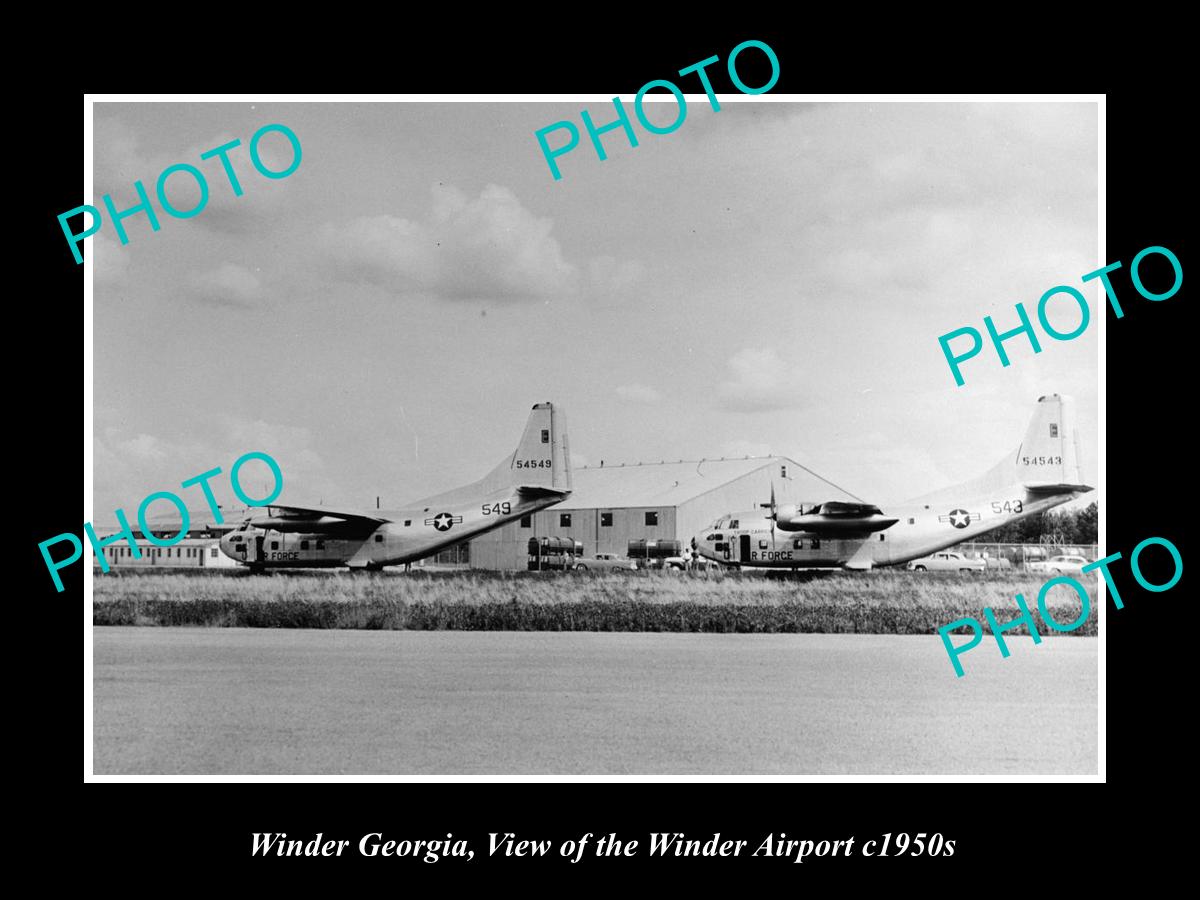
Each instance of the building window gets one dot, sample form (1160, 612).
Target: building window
(407, 522)
(564, 520)
(274, 545)
(606, 520)
(912, 521)
(304, 545)
(881, 535)
(526, 521)
(379, 538)
(213, 552)
(783, 471)
(652, 518)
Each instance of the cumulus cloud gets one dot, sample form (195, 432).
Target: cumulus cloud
(485, 248)
(129, 464)
(228, 285)
(110, 263)
(119, 159)
(638, 393)
(760, 380)
(609, 278)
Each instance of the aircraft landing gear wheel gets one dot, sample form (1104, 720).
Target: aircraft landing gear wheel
(581, 568)
(918, 568)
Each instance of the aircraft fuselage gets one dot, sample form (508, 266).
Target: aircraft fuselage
(920, 529)
(411, 534)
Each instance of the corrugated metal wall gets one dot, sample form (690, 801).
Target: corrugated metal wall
(505, 548)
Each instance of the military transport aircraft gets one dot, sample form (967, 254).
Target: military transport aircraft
(537, 475)
(1043, 473)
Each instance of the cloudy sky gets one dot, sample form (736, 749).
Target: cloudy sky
(769, 278)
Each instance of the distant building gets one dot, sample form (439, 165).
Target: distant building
(189, 553)
(613, 505)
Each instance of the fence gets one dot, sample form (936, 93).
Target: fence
(1019, 555)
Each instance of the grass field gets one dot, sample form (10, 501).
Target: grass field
(887, 602)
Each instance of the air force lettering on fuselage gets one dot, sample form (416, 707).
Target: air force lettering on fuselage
(535, 476)
(1043, 473)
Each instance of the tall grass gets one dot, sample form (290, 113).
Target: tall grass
(872, 603)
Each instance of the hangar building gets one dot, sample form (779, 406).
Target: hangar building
(613, 505)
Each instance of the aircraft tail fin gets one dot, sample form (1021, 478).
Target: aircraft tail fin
(542, 461)
(1045, 464)
(1048, 459)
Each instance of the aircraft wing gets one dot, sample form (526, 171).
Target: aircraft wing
(316, 519)
(837, 517)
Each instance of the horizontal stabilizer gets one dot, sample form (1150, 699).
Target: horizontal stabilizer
(1057, 488)
(539, 492)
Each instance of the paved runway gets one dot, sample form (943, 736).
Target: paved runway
(265, 701)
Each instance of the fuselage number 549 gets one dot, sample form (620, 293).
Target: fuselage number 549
(498, 509)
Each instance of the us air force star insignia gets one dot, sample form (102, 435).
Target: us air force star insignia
(959, 518)
(443, 521)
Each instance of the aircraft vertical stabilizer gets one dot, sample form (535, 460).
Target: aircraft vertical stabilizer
(542, 461)
(1047, 460)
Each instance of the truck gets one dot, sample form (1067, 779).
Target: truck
(658, 555)
(550, 554)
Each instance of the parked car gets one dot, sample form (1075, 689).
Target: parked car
(604, 561)
(1060, 565)
(946, 561)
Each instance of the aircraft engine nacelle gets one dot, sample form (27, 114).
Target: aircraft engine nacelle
(783, 513)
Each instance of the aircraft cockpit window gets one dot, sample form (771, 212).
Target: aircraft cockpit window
(733, 523)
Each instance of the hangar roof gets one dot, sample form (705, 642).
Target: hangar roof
(675, 483)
